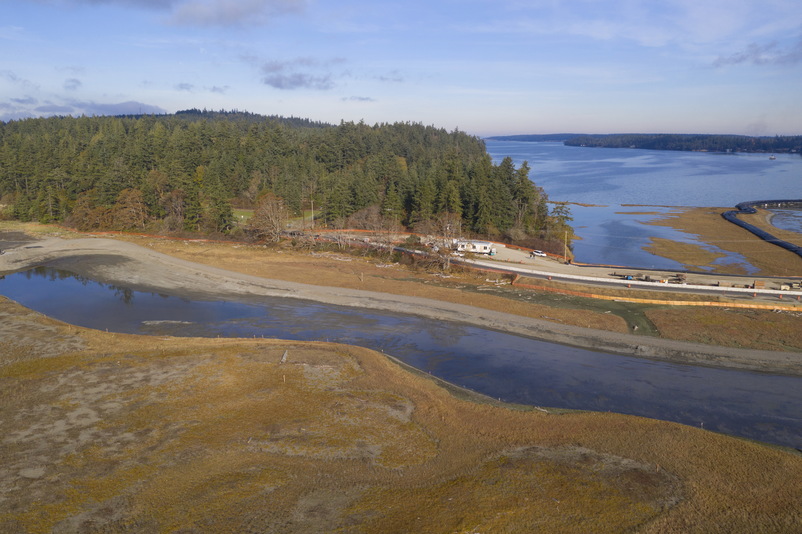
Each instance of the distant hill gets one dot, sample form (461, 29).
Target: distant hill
(685, 142)
(692, 142)
(235, 115)
(245, 116)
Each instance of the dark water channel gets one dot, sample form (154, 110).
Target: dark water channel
(512, 368)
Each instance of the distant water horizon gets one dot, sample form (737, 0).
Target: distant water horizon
(607, 185)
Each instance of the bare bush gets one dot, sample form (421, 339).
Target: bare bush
(270, 218)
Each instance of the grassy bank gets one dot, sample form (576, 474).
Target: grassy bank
(757, 329)
(118, 433)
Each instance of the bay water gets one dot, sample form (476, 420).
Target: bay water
(617, 191)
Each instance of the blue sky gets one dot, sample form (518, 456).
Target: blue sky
(487, 67)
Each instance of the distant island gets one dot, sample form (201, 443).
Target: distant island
(688, 142)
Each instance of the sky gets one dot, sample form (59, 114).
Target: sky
(486, 67)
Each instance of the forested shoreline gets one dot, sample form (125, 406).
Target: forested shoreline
(683, 142)
(187, 172)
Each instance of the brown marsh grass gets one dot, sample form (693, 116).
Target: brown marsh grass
(731, 327)
(119, 433)
(758, 329)
(712, 229)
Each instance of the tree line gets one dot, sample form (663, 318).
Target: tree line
(692, 142)
(688, 142)
(187, 172)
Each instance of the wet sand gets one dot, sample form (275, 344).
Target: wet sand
(139, 268)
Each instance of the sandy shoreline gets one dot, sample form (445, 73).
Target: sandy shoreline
(121, 263)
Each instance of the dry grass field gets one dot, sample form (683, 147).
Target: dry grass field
(723, 326)
(758, 329)
(119, 433)
(107, 433)
(733, 327)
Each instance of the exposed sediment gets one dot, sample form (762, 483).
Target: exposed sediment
(139, 268)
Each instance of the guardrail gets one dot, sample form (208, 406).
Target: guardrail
(663, 302)
(640, 283)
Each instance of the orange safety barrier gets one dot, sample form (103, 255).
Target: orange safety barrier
(656, 301)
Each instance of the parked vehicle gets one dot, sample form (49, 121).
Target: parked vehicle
(476, 247)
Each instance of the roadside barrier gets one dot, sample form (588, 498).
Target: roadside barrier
(636, 300)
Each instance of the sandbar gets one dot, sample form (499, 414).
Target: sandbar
(140, 268)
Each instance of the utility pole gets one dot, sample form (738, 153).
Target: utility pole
(565, 246)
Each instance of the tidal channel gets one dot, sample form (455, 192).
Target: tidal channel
(512, 368)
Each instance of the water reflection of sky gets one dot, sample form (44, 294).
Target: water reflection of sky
(618, 235)
(787, 219)
(653, 177)
(614, 177)
(614, 235)
(513, 368)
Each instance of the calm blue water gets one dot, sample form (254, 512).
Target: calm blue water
(612, 178)
(787, 220)
(509, 367)
(615, 176)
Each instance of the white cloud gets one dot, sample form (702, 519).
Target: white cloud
(678, 22)
(393, 77)
(234, 12)
(27, 101)
(300, 73)
(448, 60)
(72, 84)
(147, 4)
(763, 54)
(12, 77)
(297, 80)
(207, 12)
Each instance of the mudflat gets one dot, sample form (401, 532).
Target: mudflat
(143, 268)
(108, 432)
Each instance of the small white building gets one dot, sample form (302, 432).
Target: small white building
(475, 247)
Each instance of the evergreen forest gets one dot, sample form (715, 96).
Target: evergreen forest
(187, 172)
